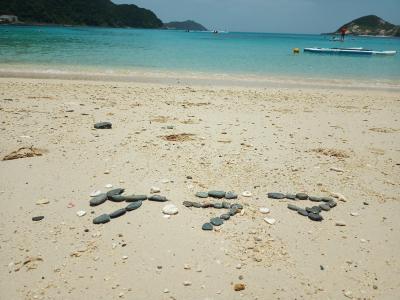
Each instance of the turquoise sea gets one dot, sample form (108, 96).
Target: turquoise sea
(265, 54)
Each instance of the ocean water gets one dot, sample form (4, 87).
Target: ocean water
(264, 54)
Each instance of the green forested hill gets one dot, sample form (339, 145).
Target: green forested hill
(80, 12)
(371, 25)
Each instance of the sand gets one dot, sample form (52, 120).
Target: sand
(318, 141)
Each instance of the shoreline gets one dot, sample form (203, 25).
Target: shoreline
(200, 79)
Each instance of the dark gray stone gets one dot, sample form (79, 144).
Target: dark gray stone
(100, 199)
(327, 199)
(314, 209)
(207, 226)
(233, 211)
(217, 221)
(114, 192)
(118, 213)
(134, 205)
(290, 196)
(158, 198)
(197, 205)
(332, 203)
(103, 125)
(134, 198)
(102, 219)
(315, 217)
(325, 207)
(293, 207)
(231, 195)
(226, 205)
(301, 196)
(37, 218)
(225, 216)
(207, 205)
(276, 195)
(187, 203)
(315, 199)
(116, 198)
(303, 212)
(218, 205)
(237, 206)
(217, 194)
(202, 194)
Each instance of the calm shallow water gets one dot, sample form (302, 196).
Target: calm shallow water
(77, 48)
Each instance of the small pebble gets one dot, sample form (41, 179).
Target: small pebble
(270, 221)
(315, 199)
(239, 287)
(102, 219)
(225, 217)
(118, 213)
(187, 283)
(108, 186)
(354, 214)
(157, 198)
(81, 213)
(231, 195)
(315, 217)
(202, 194)
(303, 212)
(290, 196)
(217, 194)
(264, 210)
(340, 223)
(42, 201)
(325, 207)
(154, 190)
(170, 209)
(38, 218)
(246, 194)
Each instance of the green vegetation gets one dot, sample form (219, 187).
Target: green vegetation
(186, 25)
(371, 25)
(80, 12)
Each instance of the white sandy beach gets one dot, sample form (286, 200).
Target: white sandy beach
(275, 139)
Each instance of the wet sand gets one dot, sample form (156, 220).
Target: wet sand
(275, 139)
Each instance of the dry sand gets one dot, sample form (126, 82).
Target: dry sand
(261, 140)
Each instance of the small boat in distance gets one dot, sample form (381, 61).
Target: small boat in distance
(355, 50)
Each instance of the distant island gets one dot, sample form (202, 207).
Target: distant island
(185, 25)
(77, 12)
(370, 25)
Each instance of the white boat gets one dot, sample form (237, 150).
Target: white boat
(356, 50)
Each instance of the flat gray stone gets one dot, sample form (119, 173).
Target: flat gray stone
(293, 207)
(114, 192)
(290, 196)
(117, 198)
(134, 198)
(225, 217)
(197, 205)
(303, 212)
(217, 221)
(118, 213)
(315, 199)
(325, 207)
(315, 217)
(102, 219)
(231, 195)
(207, 226)
(100, 199)
(202, 194)
(276, 195)
(103, 125)
(158, 198)
(314, 209)
(218, 205)
(327, 199)
(217, 194)
(233, 211)
(332, 203)
(237, 206)
(301, 196)
(37, 218)
(133, 205)
(187, 203)
(226, 205)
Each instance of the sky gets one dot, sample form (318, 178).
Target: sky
(282, 16)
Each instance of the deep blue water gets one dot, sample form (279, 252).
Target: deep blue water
(228, 53)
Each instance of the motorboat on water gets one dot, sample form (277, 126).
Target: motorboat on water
(355, 50)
